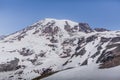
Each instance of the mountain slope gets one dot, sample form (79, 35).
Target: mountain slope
(51, 45)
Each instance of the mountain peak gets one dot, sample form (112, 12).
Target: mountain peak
(65, 24)
(53, 19)
(51, 26)
(59, 20)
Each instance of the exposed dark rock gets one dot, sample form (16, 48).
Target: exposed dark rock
(50, 29)
(19, 72)
(9, 66)
(85, 62)
(20, 37)
(107, 56)
(101, 29)
(103, 39)
(76, 28)
(46, 71)
(111, 63)
(2, 37)
(66, 53)
(116, 51)
(32, 60)
(37, 31)
(69, 42)
(77, 48)
(91, 38)
(52, 45)
(55, 30)
(81, 40)
(19, 78)
(112, 45)
(101, 56)
(53, 40)
(67, 27)
(94, 55)
(98, 52)
(42, 54)
(99, 48)
(26, 52)
(11, 76)
(81, 52)
(65, 63)
(115, 39)
(85, 27)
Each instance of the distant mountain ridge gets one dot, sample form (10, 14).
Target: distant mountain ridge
(2, 37)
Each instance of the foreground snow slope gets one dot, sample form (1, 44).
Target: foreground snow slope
(90, 72)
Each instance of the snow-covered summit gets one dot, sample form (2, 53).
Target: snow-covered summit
(53, 19)
(46, 20)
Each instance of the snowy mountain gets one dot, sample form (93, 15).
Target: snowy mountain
(52, 45)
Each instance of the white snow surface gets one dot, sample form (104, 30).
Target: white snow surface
(90, 72)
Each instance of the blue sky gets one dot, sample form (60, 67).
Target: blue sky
(17, 14)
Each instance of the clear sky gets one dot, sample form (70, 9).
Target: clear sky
(17, 14)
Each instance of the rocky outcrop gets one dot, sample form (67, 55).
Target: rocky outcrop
(85, 27)
(101, 29)
(9, 66)
(2, 37)
(26, 52)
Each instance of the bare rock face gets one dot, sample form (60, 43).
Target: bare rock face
(9, 66)
(2, 37)
(81, 52)
(101, 29)
(110, 58)
(67, 27)
(91, 38)
(85, 27)
(104, 39)
(50, 29)
(116, 39)
(26, 52)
